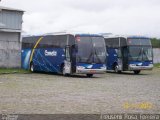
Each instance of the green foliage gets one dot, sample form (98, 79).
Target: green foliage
(157, 65)
(155, 42)
(10, 71)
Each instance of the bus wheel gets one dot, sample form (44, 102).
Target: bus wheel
(31, 67)
(137, 72)
(89, 75)
(116, 69)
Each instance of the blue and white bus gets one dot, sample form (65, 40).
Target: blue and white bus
(128, 53)
(65, 53)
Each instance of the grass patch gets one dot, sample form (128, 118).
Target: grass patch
(10, 70)
(157, 65)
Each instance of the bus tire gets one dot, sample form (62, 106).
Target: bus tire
(137, 72)
(89, 75)
(32, 67)
(116, 69)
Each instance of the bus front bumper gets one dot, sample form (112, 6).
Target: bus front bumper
(134, 67)
(90, 71)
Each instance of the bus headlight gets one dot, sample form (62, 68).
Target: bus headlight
(80, 67)
(132, 65)
(104, 67)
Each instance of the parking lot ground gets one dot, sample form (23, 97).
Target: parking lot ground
(41, 93)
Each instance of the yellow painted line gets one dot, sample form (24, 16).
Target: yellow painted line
(35, 48)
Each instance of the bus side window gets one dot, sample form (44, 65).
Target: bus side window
(63, 41)
(28, 42)
(112, 42)
(45, 42)
(55, 41)
(123, 42)
(60, 41)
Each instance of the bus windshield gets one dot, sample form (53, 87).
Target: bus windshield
(91, 49)
(140, 53)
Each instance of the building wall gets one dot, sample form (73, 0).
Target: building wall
(10, 50)
(156, 54)
(11, 19)
(10, 36)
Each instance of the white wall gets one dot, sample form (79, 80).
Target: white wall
(11, 19)
(10, 50)
(156, 54)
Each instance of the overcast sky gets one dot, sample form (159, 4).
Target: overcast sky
(134, 17)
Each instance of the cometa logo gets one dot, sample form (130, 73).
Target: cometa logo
(50, 53)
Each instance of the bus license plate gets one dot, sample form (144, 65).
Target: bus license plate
(92, 71)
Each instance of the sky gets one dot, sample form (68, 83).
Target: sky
(120, 17)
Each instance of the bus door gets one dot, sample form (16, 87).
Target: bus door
(67, 62)
(119, 59)
(111, 57)
(73, 57)
(125, 58)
